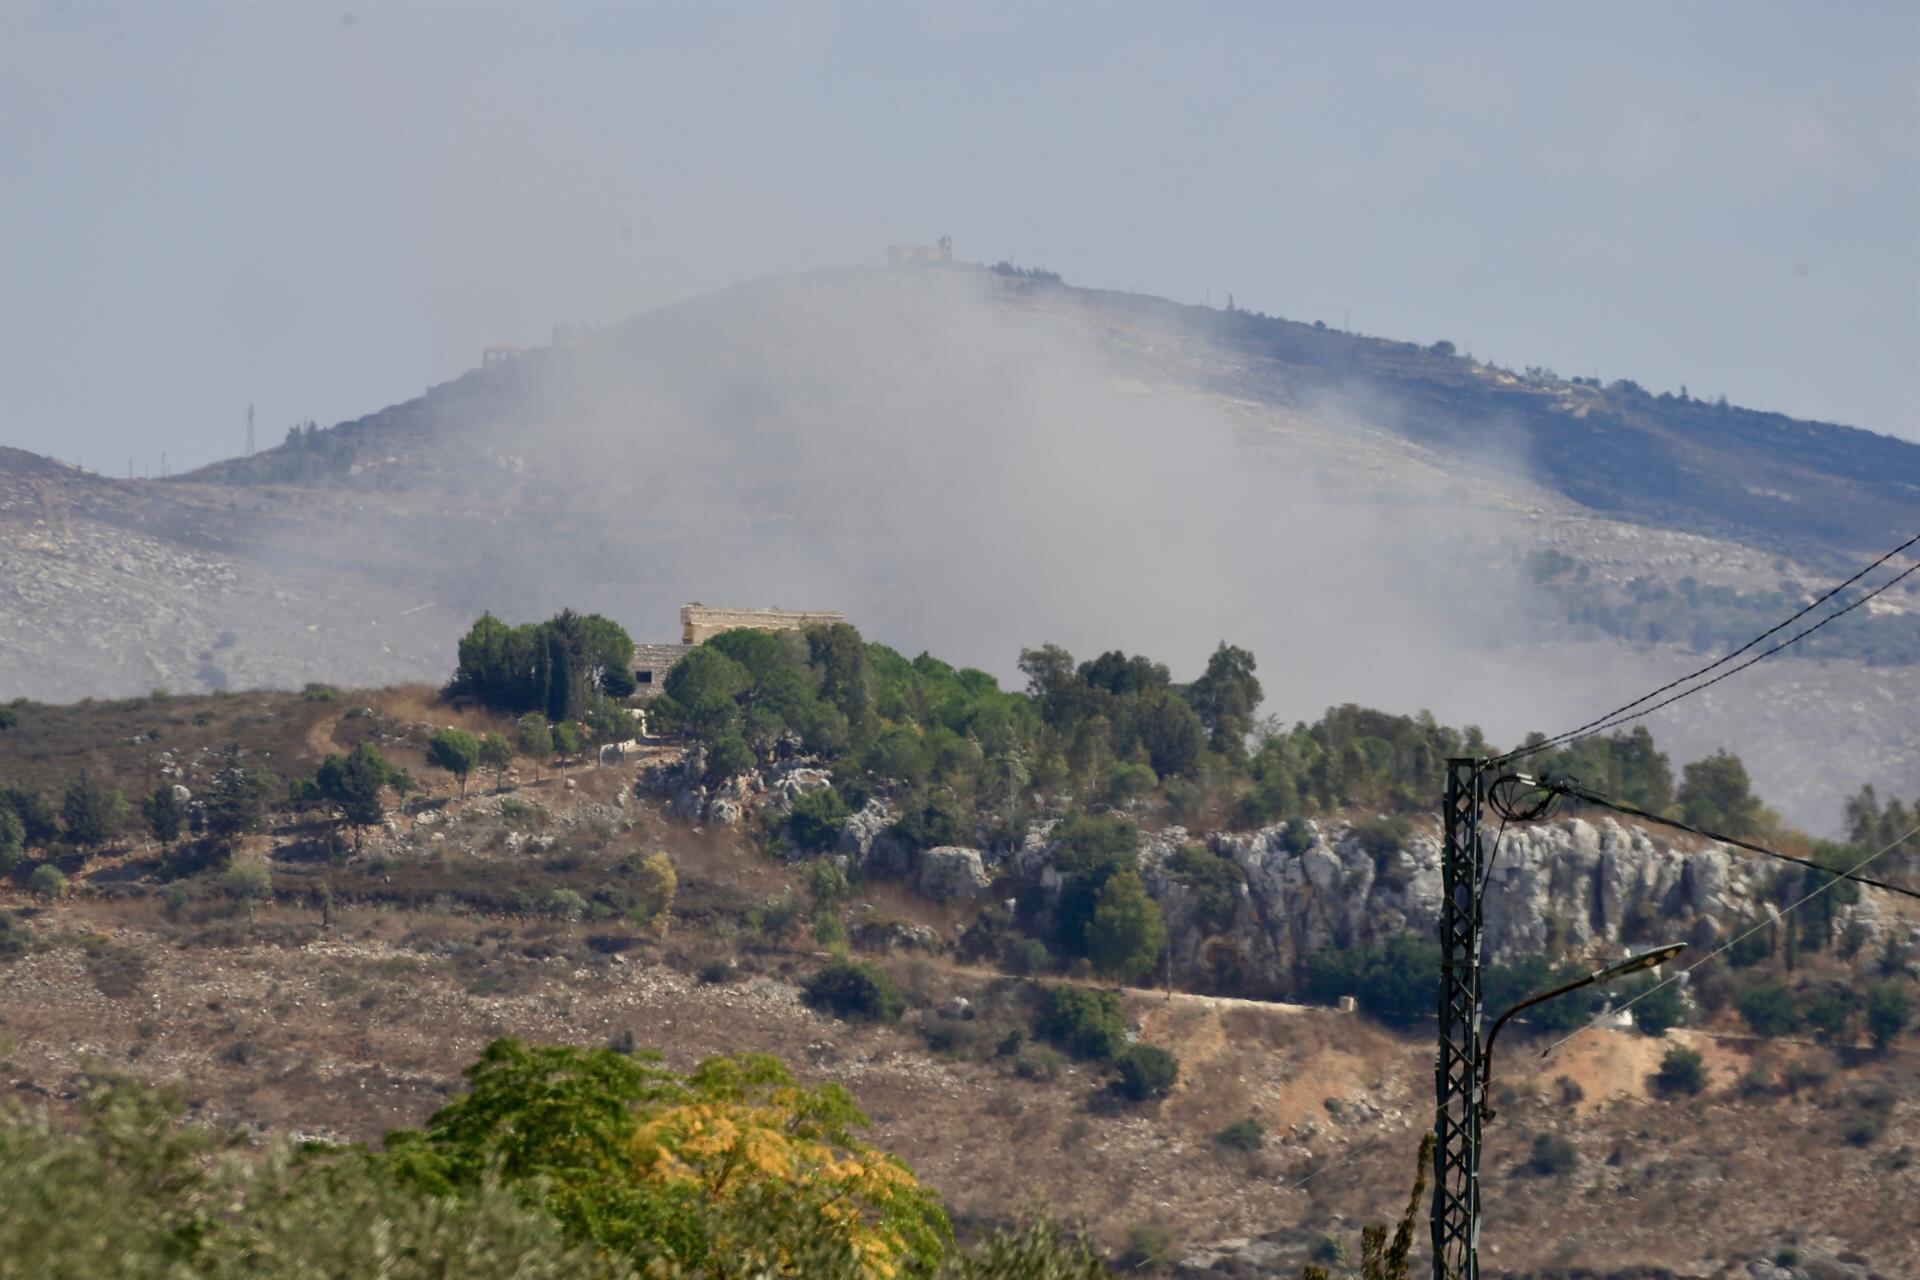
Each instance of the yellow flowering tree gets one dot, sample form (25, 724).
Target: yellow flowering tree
(732, 1171)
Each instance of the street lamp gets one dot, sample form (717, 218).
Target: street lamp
(1618, 969)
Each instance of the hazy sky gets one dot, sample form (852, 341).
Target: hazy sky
(323, 208)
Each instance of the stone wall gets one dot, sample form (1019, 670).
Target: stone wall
(700, 623)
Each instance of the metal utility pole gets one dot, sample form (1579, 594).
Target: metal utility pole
(1457, 1070)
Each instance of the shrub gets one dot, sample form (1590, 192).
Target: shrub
(1552, 1155)
(816, 820)
(1242, 1135)
(1393, 982)
(15, 937)
(772, 918)
(1027, 956)
(854, 989)
(1038, 1063)
(1888, 1011)
(1830, 1014)
(47, 881)
(1149, 1248)
(1125, 935)
(1769, 1009)
(1213, 881)
(1085, 1022)
(247, 881)
(1146, 1071)
(1682, 1070)
(1657, 1009)
(563, 904)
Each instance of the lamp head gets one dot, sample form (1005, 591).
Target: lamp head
(1634, 964)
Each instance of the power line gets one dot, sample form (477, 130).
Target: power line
(1732, 942)
(1574, 789)
(1607, 721)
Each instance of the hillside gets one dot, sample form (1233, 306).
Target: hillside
(980, 463)
(343, 999)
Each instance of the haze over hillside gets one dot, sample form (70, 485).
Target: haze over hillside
(974, 462)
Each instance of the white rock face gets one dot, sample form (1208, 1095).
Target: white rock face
(1572, 882)
(949, 871)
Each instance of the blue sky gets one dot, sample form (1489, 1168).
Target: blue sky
(321, 209)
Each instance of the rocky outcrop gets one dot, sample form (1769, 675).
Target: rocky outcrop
(950, 871)
(1588, 886)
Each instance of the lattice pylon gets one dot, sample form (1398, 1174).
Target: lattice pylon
(1456, 1124)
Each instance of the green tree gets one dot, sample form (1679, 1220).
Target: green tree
(47, 881)
(1831, 1015)
(1769, 1009)
(164, 813)
(1394, 981)
(1657, 1006)
(1889, 1009)
(13, 840)
(1682, 1070)
(854, 989)
(1085, 1022)
(237, 798)
(91, 811)
(1146, 1071)
(496, 753)
(729, 757)
(1125, 935)
(247, 881)
(352, 785)
(816, 820)
(39, 819)
(455, 751)
(1226, 699)
(566, 738)
(1090, 850)
(1716, 793)
(534, 737)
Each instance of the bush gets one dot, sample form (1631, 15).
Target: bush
(1394, 982)
(1830, 1014)
(1682, 1070)
(1658, 1009)
(1769, 1009)
(816, 820)
(47, 881)
(1888, 1011)
(854, 989)
(15, 937)
(1552, 1155)
(1146, 1071)
(1027, 956)
(1242, 1135)
(247, 881)
(1085, 1022)
(1149, 1248)
(563, 904)
(1038, 1063)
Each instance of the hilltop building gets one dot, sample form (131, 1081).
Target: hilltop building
(938, 254)
(700, 623)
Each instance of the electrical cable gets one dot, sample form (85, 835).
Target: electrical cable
(1732, 942)
(1607, 721)
(1580, 792)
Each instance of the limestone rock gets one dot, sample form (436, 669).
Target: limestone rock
(951, 871)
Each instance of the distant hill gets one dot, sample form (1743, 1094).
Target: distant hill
(973, 462)
(1787, 485)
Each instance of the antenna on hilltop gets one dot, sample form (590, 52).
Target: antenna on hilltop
(249, 431)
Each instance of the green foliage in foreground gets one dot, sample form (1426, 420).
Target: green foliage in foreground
(558, 1162)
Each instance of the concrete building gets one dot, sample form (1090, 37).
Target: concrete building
(700, 622)
(651, 662)
(938, 254)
